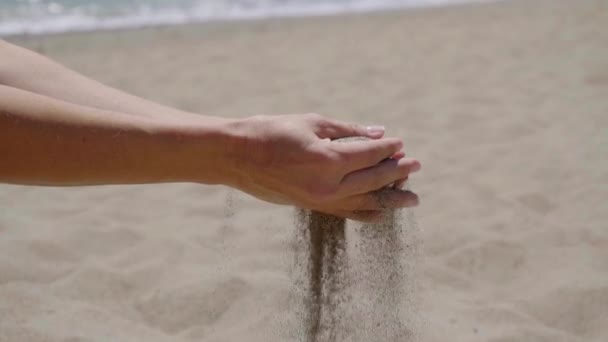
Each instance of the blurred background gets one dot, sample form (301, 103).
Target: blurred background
(44, 16)
(504, 102)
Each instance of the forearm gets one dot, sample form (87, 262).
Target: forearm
(51, 142)
(27, 70)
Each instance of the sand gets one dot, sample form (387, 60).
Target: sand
(341, 300)
(356, 286)
(322, 282)
(505, 104)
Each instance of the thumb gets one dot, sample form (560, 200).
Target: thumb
(334, 129)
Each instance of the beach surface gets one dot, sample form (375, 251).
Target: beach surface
(505, 104)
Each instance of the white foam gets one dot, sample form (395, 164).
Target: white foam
(204, 11)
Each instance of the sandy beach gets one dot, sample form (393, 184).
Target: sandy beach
(505, 104)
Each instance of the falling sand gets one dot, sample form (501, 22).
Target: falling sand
(325, 269)
(356, 292)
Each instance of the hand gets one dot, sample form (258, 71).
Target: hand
(292, 160)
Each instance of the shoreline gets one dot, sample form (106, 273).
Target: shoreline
(122, 25)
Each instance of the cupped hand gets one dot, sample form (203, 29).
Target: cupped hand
(292, 159)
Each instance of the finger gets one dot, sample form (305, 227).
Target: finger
(398, 155)
(333, 129)
(400, 183)
(373, 178)
(356, 155)
(381, 199)
(367, 216)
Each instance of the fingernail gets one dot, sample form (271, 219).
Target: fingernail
(399, 155)
(413, 202)
(415, 167)
(375, 130)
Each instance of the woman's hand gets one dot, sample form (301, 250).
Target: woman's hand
(292, 160)
(66, 129)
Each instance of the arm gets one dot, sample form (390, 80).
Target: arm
(27, 70)
(51, 142)
(60, 128)
(284, 159)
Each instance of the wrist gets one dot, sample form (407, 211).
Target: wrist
(200, 150)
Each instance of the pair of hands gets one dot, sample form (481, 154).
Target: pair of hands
(282, 159)
(293, 160)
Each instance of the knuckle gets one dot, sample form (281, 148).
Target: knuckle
(355, 128)
(342, 158)
(328, 160)
(320, 192)
(323, 157)
(380, 171)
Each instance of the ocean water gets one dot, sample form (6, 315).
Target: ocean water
(51, 16)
